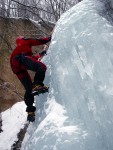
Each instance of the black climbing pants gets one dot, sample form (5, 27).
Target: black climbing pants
(20, 68)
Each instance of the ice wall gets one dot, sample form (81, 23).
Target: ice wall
(77, 113)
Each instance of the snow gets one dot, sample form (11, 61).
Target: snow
(13, 120)
(77, 113)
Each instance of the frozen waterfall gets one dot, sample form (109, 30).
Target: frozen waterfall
(77, 113)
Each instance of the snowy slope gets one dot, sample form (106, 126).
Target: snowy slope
(77, 114)
(13, 120)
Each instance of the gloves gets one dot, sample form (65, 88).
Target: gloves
(43, 53)
(49, 38)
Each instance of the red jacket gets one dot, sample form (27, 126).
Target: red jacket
(25, 46)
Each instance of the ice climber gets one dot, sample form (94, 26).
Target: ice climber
(22, 60)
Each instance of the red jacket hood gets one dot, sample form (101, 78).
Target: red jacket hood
(19, 40)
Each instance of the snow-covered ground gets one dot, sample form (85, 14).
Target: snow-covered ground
(13, 120)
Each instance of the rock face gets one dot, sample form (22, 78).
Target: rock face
(11, 90)
(8, 95)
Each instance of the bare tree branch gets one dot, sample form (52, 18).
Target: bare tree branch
(33, 12)
(31, 7)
